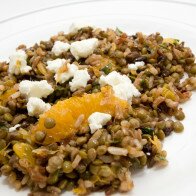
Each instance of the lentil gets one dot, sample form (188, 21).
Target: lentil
(49, 123)
(178, 127)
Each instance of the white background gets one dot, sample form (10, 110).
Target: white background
(12, 8)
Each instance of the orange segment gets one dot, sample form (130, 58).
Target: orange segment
(66, 113)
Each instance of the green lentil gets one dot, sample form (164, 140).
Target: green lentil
(53, 178)
(115, 128)
(119, 54)
(40, 136)
(92, 154)
(88, 87)
(86, 175)
(83, 154)
(179, 115)
(49, 123)
(62, 184)
(8, 117)
(97, 162)
(134, 123)
(3, 133)
(2, 144)
(193, 69)
(72, 175)
(160, 134)
(95, 90)
(81, 168)
(6, 169)
(92, 143)
(178, 127)
(141, 113)
(143, 160)
(81, 140)
(94, 169)
(121, 61)
(2, 110)
(144, 51)
(105, 171)
(161, 125)
(152, 61)
(101, 150)
(67, 168)
(70, 185)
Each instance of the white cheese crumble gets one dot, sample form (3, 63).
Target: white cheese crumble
(36, 106)
(121, 84)
(136, 65)
(97, 120)
(55, 66)
(18, 63)
(84, 48)
(60, 47)
(81, 77)
(35, 88)
(62, 77)
(75, 27)
(14, 128)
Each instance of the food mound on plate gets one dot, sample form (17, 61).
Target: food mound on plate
(83, 110)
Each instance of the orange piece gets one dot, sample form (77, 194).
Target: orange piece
(68, 112)
(5, 96)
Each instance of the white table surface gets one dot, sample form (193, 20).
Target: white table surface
(12, 8)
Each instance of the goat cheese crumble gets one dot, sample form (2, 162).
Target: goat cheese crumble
(36, 106)
(18, 63)
(122, 86)
(37, 89)
(63, 71)
(97, 120)
(60, 47)
(84, 48)
(136, 65)
(54, 65)
(80, 79)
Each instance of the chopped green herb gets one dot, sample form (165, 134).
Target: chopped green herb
(118, 31)
(106, 69)
(144, 84)
(176, 41)
(147, 130)
(132, 78)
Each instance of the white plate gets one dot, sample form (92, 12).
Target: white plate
(172, 20)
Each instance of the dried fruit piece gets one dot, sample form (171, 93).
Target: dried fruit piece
(24, 151)
(5, 96)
